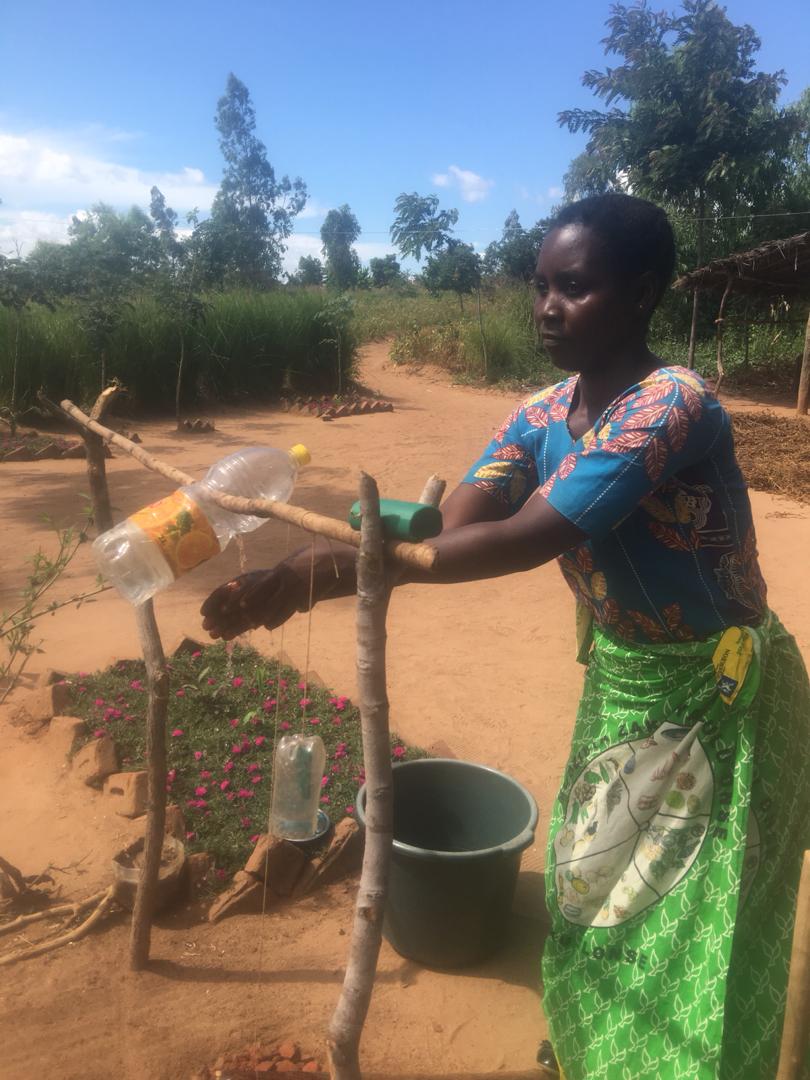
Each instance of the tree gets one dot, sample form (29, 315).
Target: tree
(177, 283)
(420, 226)
(455, 268)
(339, 231)
(385, 271)
(19, 288)
(252, 213)
(310, 271)
(700, 129)
(514, 256)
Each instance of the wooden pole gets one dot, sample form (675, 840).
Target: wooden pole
(373, 593)
(796, 1029)
(419, 555)
(719, 322)
(345, 1029)
(803, 401)
(157, 709)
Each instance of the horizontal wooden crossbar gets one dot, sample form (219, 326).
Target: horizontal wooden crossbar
(419, 555)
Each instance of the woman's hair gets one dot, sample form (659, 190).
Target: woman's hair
(636, 234)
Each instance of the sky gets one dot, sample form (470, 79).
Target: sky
(363, 100)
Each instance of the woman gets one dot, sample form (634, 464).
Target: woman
(676, 840)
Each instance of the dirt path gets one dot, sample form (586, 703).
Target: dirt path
(486, 668)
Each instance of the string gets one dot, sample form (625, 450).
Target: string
(305, 698)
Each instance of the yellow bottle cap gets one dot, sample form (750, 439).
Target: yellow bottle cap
(301, 454)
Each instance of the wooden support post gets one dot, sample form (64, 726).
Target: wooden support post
(719, 322)
(157, 708)
(373, 593)
(796, 1029)
(345, 1029)
(803, 402)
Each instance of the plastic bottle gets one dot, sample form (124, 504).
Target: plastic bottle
(297, 775)
(152, 548)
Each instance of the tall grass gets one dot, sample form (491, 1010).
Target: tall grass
(247, 344)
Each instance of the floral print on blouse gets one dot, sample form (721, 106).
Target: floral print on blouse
(671, 552)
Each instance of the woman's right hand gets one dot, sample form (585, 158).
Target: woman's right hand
(259, 598)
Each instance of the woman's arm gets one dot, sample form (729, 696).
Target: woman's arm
(479, 540)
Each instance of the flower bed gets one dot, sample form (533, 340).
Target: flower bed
(225, 707)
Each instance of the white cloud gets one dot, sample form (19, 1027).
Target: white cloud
(472, 187)
(48, 177)
(554, 192)
(43, 171)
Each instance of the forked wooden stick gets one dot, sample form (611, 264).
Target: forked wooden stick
(373, 593)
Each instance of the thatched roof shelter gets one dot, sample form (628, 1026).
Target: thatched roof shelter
(773, 269)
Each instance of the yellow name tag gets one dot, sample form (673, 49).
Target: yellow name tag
(732, 659)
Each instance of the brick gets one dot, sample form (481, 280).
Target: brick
(175, 822)
(128, 791)
(198, 866)
(62, 732)
(343, 856)
(289, 1050)
(39, 706)
(49, 452)
(95, 761)
(277, 862)
(311, 1067)
(185, 646)
(244, 896)
(19, 453)
(52, 675)
(286, 1066)
(75, 450)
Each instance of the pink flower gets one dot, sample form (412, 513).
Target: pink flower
(303, 702)
(82, 689)
(221, 874)
(136, 684)
(268, 704)
(245, 822)
(236, 748)
(259, 740)
(99, 733)
(314, 720)
(197, 804)
(325, 799)
(335, 769)
(244, 793)
(197, 755)
(302, 686)
(399, 751)
(191, 836)
(180, 693)
(227, 766)
(269, 682)
(349, 809)
(197, 653)
(224, 785)
(205, 774)
(211, 682)
(340, 750)
(99, 702)
(234, 722)
(171, 775)
(201, 790)
(283, 684)
(177, 733)
(336, 721)
(82, 674)
(129, 717)
(253, 766)
(230, 795)
(237, 682)
(284, 725)
(254, 838)
(255, 779)
(324, 781)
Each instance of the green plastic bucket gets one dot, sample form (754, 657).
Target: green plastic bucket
(459, 831)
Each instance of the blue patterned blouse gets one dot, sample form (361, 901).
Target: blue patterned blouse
(671, 551)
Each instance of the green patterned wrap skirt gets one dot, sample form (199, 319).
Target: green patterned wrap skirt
(674, 857)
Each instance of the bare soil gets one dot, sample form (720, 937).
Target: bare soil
(487, 669)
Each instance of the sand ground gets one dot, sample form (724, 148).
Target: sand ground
(486, 668)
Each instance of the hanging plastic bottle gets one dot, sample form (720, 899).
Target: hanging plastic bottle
(155, 546)
(297, 774)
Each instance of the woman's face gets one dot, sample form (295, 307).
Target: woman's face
(586, 315)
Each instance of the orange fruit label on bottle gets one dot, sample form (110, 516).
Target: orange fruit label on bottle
(181, 530)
